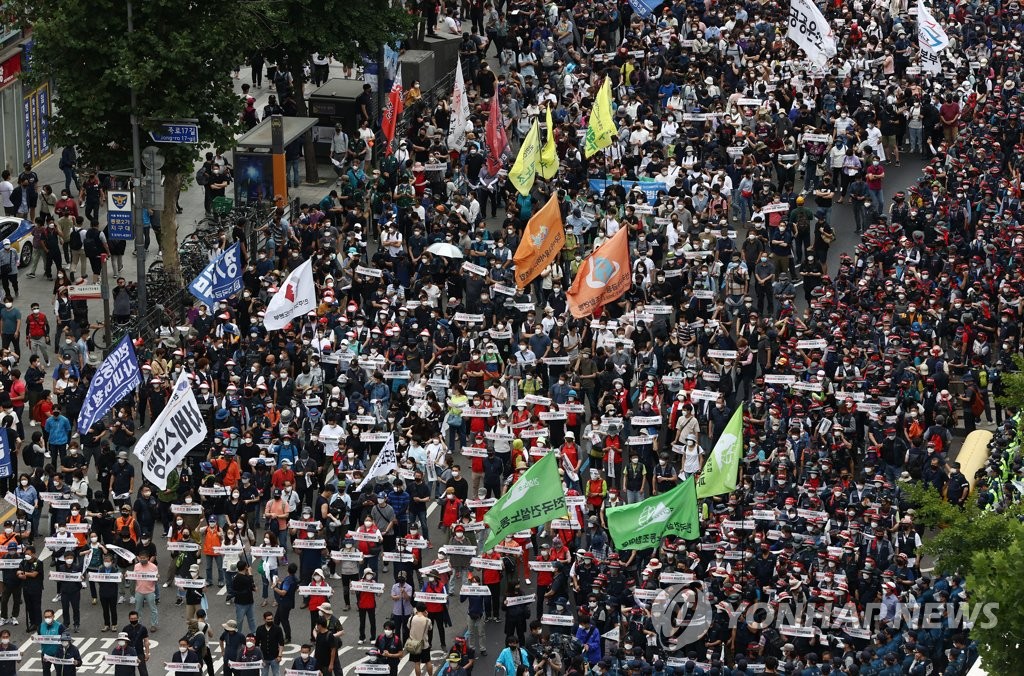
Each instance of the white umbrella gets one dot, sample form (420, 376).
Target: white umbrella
(445, 249)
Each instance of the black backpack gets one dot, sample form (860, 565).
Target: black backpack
(93, 244)
(76, 239)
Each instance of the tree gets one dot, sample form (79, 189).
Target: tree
(296, 29)
(995, 580)
(178, 59)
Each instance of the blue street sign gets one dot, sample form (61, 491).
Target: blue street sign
(176, 133)
(119, 215)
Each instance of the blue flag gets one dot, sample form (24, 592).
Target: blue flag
(5, 450)
(221, 278)
(644, 7)
(114, 380)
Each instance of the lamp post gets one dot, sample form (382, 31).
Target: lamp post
(140, 242)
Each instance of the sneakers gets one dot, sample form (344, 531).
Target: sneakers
(166, 585)
(178, 601)
(122, 599)
(106, 627)
(335, 577)
(361, 641)
(56, 599)
(3, 621)
(31, 275)
(12, 620)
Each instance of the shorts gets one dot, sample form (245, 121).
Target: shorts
(422, 658)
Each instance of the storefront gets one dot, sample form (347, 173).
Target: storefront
(24, 115)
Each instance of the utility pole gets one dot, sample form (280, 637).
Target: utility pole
(140, 241)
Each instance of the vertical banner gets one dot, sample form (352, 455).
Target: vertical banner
(809, 29)
(114, 380)
(178, 430)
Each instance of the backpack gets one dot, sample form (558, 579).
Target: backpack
(916, 462)
(203, 176)
(938, 440)
(76, 239)
(92, 243)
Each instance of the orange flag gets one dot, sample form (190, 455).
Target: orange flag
(602, 278)
(542, 242)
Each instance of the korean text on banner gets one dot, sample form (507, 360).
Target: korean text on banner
(221, 278)
(642, 525)
(114, 380)
(178, 430)
(386, 461)
(460, 111)
(601, 130)
(524, 172)
(548, 166)
(809, 29)
(721, 467)
(541, 244)
(602, 278)
(296, 297)
(534, 499)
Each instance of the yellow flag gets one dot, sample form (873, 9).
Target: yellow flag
(541, 243)
(549, 153)
(601, 130)
(524, 171)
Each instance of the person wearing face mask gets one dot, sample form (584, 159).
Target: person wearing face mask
(389, 646)
(49, 627)
(270, 641)
(67, 659)
(304, 661)
(122, 649)
(30, 574)
(70, 589)
(184, 655)
(243, 589)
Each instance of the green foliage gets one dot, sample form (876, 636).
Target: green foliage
(996, 579)
(179, 60)
(1013, 385)
(960, 533)
(345, 28)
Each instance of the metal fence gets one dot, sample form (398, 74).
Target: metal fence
(442, 89)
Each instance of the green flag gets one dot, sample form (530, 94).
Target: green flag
(536, 498)
(722, 466)
(642, 525)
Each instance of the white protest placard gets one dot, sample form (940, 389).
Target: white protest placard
(428, 597)
(182, 666)
(315, 590)
(472, 267)
(186, 509)
(466, 318)
(122, 660)
(189, 582)
(520, 600)
(459, 550)
(397, 557)
(438, 568)
(816, 344)
(488, 564)
(183, 546)
(558, 620)
(645, 420)
(64, 576)
(95, 576)
(213, 491)
(542, 566)
(371, 587)
(60, 542)
(303, 543)
(10, 655)
(369, 272)
(303, 525)
(475, 590)
(19, 503)
(269, 552)
(775, 207)
(368, 668)
(363, 536)
(722, 354)
(779, 379)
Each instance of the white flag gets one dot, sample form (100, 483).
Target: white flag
(296, 297)
(385, 462)
(460, 111)
(809, 29)
(930, 34)
(178, 429)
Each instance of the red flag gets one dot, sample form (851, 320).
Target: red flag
(391, 112)
(497, 140)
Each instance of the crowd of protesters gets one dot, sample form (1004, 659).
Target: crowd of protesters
(859, 370)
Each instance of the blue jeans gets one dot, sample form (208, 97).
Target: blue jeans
(877, 200)
(810, 176)
(293, 173)
(459, 432)
(271, 668)
(916, 140)
(247, 612)
(210, 560)
(150, 598)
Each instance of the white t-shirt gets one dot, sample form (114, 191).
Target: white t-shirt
(6, 188)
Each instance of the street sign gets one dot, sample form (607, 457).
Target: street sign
(119, 215)
(85, 292)
(175, 132)
(152, 159)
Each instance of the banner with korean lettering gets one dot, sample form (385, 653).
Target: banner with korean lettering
(809, 29)
(534, 499)
(642, 525)
(178, 430)
(221, 278)
(114, 380)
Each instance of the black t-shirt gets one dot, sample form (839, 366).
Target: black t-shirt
(242, 587)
